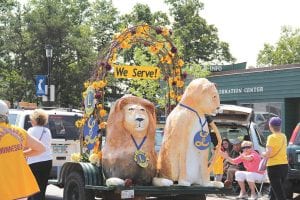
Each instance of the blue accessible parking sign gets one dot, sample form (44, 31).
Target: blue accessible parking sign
(40, 81)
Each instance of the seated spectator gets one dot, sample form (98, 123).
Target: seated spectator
(250, 158)
(229, 168)
(227, 146)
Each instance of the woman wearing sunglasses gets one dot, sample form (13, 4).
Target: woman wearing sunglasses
(250, 158)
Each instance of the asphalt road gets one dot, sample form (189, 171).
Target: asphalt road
(55, 193)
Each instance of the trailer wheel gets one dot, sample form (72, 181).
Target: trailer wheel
(74, 188)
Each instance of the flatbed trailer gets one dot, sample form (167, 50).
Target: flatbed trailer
(85, 181)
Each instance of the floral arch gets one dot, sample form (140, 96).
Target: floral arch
(158, 42)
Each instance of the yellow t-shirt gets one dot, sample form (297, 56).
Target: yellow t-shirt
(218, 165)
(278, 156)
(16, 178)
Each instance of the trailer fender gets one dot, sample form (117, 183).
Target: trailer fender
(91, 173)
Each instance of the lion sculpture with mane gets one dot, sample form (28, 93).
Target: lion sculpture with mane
(183, 156)
(129, 153)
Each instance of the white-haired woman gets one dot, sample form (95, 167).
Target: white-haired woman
(250, 159)
(40, 165)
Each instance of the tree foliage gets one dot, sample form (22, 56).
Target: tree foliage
(79, 31)
(285, 51)
(198, 40)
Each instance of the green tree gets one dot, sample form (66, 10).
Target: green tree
(285, 51)
(12, 50)
(104, 21)
(63, 24)
(142, 14)
(197, 40)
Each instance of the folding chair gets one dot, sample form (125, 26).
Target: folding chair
(265, 180)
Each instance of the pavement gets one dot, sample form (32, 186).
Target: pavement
(56, 193)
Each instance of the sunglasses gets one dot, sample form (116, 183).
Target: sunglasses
(246, 147)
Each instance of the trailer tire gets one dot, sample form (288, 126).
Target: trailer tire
(75, 188)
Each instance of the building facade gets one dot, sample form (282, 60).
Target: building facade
(270, 91)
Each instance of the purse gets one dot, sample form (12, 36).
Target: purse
(263, 162)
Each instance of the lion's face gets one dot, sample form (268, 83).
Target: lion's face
(136, 119)
(202, 95)
(211, 99)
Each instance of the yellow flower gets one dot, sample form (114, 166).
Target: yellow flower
(84, 94)
(169, 59)
(179, 98)
(153, 49)
(177, 78)
(116, 36)
(86, 84)
(94, 159)
(125, 45)
(75, 157)
(142, 30)
(180, 83)
(102, 125)
(177, 71)
(80, 123)
(159, 45)
(165, 32)
(99, 84)
(180, 63)
(166, 59)
(171, 80)
(99, 106)
(113, 58)
(171, 54)
(172, 94)
(102, 113)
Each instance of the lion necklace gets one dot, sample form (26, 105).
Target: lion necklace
(140, 157)
(202, 138)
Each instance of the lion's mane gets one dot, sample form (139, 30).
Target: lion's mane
(119, 148)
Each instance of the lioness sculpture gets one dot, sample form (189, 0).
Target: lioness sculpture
(183, 156)
(129, 151)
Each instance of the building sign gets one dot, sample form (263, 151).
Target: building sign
(241, 90)
(137, 72)
(220, 68)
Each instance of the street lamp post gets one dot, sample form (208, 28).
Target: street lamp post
(48, 48)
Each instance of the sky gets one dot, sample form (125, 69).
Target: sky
(245, 24)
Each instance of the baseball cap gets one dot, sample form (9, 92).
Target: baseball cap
(235, 141)
(3, 108)
(275, 121)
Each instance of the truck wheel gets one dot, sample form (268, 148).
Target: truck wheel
(74, 188)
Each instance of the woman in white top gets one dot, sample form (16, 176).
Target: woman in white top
(40, 165)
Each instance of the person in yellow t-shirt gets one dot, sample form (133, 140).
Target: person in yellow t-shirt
(16, 178)
(277, 165)
(218, 167)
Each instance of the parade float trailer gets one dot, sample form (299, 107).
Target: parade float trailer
(84, 179)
